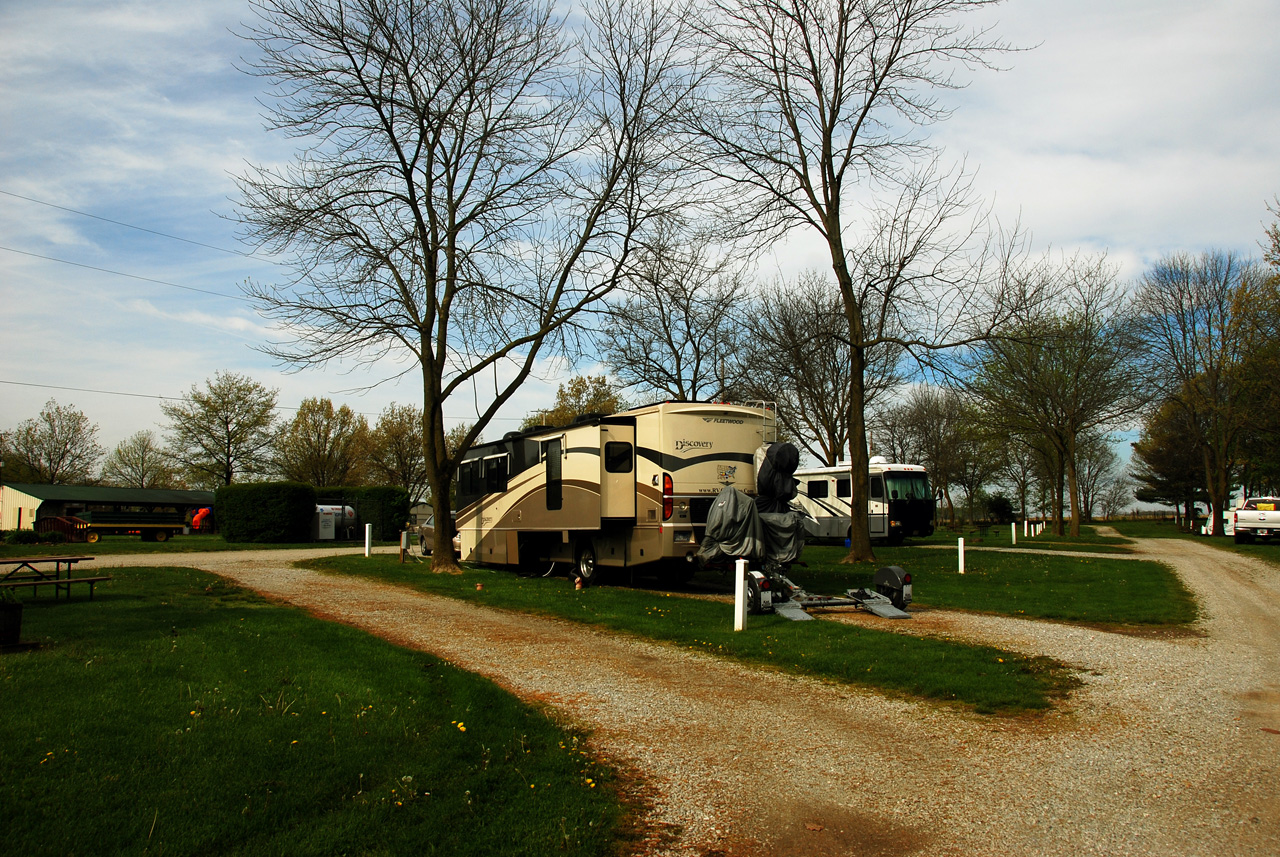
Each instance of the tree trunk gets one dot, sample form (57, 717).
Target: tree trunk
(440, 475)
(1073, 488)
(859, 530)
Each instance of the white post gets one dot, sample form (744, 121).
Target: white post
(368, 538)
(1013, 532)
(962, 556)
(1026, 525)
(740, 595)
(404, 544)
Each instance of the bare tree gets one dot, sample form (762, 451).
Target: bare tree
(138, 461)
(1065, 373)
(1116, 496)
(1271, 246)
(322, 445)
(1097, 466)
(929, 428)
(224, 432)
(1199, 333)
(678, 330)
(810, 100)
(58, 447)
(473, 176)
(798, 356)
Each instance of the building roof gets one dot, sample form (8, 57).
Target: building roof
(98, 494)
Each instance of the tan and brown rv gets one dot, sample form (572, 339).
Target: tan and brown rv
(630, 490)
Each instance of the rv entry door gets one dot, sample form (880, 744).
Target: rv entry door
(877, 508)
(618, 472)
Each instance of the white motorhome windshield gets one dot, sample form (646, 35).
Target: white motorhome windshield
(907, 486)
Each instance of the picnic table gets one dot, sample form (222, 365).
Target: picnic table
(33, 571)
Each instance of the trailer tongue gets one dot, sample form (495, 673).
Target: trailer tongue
(774, 592)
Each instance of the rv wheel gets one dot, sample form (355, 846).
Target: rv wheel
(586, 565)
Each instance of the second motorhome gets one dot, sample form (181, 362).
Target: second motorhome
(900, 501)
(630, 490)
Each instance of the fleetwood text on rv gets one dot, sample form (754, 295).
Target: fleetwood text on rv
(900, 503)
(629, 490)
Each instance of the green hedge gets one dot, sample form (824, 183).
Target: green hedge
(386, 507)
(267, 512)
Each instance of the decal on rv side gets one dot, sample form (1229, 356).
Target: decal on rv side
(726, 473)
(686, 445)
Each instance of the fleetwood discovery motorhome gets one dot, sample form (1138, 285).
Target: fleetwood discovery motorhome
(629, 490)
(900, 500)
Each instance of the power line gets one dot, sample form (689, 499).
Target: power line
(181, 398)
(122, 274)
(139, 228)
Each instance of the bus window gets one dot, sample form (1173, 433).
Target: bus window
(908, 486)
(495, 474)
(817, 488)
(877, 488)
(555, 488)
(844, 488)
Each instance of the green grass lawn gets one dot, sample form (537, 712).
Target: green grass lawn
(175, 714)
(117, 545)
(999, 536)
(983, 678)
(1103, 591)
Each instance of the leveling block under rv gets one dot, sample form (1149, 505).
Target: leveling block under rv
(769, 532)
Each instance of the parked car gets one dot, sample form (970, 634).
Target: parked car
(1257, 517)
(427, 537)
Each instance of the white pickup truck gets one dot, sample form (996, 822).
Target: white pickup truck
(1257, 517)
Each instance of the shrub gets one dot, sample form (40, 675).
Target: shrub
(265, 512)
(24, 537)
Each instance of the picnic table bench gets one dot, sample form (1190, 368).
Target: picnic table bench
(28, 571)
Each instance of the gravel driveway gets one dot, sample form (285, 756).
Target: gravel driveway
(1171, 747)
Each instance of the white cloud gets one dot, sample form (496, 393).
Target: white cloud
(1136, 128)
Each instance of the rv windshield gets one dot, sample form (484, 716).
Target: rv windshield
(908, 486)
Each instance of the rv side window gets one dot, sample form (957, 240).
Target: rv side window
(617, 457)
(470, 485)
(843, 488)
(555, 489)
(495, 474)
(877, 488)
(817, 488)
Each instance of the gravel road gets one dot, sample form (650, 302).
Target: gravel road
(1171, 747)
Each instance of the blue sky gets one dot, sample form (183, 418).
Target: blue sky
(1131, 128)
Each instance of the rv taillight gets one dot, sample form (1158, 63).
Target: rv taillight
(668, 498)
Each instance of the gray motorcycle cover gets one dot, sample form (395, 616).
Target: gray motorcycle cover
(733, 528)
(784, 534)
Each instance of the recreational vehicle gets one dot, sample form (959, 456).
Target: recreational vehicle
(629, 490)
(900, 501)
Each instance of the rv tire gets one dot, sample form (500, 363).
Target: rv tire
(585, 564)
